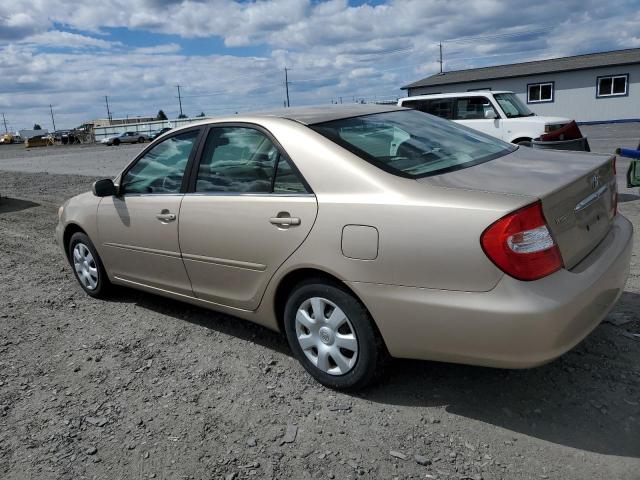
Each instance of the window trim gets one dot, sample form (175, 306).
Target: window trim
(193, 173)
(620, 75)
(187, 169)
(540, 84)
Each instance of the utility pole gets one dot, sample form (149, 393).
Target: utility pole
(106, 99)
(179, 99)
(440, 61)
(52, 119)
(286, 84)
(5, 123)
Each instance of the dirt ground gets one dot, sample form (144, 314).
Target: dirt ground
(144, 387)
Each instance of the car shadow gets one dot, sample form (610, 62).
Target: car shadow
(627, 197)
(581, 400)
(9, 205)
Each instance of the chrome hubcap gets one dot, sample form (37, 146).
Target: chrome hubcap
(326, 336)
(85, 266)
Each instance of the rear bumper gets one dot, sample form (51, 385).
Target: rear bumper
(515, 325)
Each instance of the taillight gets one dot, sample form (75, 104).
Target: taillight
(613, 165)
(521, 245)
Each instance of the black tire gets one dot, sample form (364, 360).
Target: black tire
(116, 142)
(371, 351)
(141, 140)
(525, 142)
(103, 285)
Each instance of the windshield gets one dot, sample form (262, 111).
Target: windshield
(413, 144)
(512, 105)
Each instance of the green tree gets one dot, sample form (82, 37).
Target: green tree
(161, 115)
(182, 115)
(37, 127)
(202, 114)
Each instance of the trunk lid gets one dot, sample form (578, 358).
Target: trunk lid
(577, 191)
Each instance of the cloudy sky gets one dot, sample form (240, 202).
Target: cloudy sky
(230, 55)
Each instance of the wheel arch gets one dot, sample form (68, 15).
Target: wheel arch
(289, 281)
(521, 139)
(69, 230)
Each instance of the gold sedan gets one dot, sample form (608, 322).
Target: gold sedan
(363, 232)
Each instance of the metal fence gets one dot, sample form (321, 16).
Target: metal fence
(142, 127)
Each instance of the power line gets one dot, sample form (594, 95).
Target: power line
(5, 123)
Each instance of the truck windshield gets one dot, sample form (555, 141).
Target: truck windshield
(512, 105)
(413, 144)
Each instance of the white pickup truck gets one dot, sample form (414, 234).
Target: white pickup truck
(498, 113)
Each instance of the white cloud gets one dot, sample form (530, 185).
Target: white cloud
(59, 39)
(158, 49)
(333, 49)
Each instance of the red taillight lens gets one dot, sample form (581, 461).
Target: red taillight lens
(613, 165)
(521, 245)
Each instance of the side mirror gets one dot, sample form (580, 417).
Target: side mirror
(104, 188)
(490, 114)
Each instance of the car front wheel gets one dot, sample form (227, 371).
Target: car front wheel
(331, 333)
(87, 266)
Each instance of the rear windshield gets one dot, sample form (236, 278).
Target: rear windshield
(413, 144)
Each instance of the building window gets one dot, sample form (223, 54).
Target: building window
(540, 92)
(612, 86)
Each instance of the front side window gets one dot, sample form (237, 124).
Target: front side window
(540, 92)
(161, 169)
(411, 144)
(474, 108)
(512, 105)
(612, 86)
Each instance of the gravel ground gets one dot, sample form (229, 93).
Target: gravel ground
(144, 387)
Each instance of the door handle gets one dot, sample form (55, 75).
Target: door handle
(165, 216)
(285, 221)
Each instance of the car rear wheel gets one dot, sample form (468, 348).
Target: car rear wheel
(87, 266)
(141, 140)
(331, 333)
(116, 142)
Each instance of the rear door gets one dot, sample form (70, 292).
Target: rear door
(138, 229)
(247, 211)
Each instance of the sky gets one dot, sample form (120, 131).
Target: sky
(229, 56)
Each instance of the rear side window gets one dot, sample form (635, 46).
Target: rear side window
(287, 180)
(411, 144)
(440, 107)
(244, 160)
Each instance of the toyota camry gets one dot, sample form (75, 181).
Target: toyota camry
(363, 232)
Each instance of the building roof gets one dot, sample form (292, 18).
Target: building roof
(563, 64)
(326, 113)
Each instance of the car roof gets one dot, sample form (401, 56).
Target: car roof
(454, 94)
(325, 113)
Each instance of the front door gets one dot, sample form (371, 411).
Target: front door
(249, 211)
(478, 113)
(138, 229)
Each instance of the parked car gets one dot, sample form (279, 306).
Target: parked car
(361, 231)
(156, 133)
(500, 114)
(6, 139)
(126, 137)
